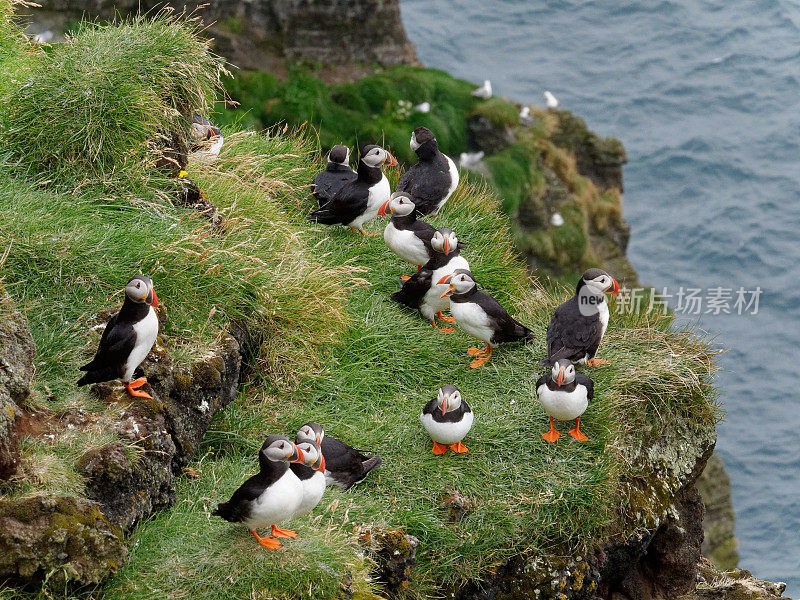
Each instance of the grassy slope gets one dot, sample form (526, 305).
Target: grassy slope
(359, 364)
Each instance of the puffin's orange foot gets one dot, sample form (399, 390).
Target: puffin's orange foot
(596, 362)
(439, 448)
(444, 318)
(267, 542)
(475, 352)
(478, 362)
(133, 388)
(282, 533)
(459, 448)
(404, 277)
(443, 329)
(576, 433)
(551, 436)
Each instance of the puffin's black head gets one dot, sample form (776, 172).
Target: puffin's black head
(461, 281)
(313, 455)
(563, 372)
(375, 156)
(598, 281)
(449, 398)
(140, 289)
(312, 432)
(339, 154)
(279, 448)
(444, 241)
(400, 204)
(421, 135)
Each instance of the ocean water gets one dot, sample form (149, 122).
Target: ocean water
(706, 97)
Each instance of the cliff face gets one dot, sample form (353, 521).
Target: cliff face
(263, 34)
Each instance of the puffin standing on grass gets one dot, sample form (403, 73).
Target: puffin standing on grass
(405, 235)
(337, 173)
(433, 179)
(344, 466)
(273, 495)
(311, 473)
(359, 200)
(425, 290)
(565, 395)
(481, 316)
(127, 339)
(579, 324)
(447, 419)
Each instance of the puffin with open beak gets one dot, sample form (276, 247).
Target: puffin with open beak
(127, 339)
(447, 419)
(272, 495)
(359, 200)
(424, 290)
(481, 316)
(344, 466)
(311, 473)
(565, 395)
(579, 324)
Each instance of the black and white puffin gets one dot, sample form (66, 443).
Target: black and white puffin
(578, 325)
(127, 339)
(272, 495)
(433, 179)
(480, 315)
(447, 419)
(207, 138)
(344, 466)
(337, 173)
(359, 200)
(424, 290)
(311, 473)
(565, 395)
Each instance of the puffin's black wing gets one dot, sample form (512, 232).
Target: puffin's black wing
(346, 465)
(426, 183)
(115, 346)
(348, 203)
(238, 507)
(506, 328)
(430, 408)
(583, 380)
(327, 183)
(542, 381)
(414, 290)
(570, 334)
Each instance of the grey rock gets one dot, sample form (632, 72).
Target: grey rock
(720, 543)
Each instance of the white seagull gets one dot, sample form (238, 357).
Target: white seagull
(552, 102)
(525, 117)
(485, 91)
(423, 107)
(470, 159)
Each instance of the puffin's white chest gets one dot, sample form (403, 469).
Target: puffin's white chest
(378, 194)
(447, 433)
(433, 297)
(313, 489)
(603, 314)
(561, 405)
(453, 179)
(277, 503)
(472, 319)
(146, 334)
(405, 244)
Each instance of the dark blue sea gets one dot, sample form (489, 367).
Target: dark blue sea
(706, 97)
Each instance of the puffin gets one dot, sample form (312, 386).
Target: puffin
(564, 394)
(359, 200)
(311, 474)
(206, 137)
(407, 236)
(127, 339)
(578, 325)
(433, 179)
(424, 289)
(344, 466)
(336, 174)
(272, 495)
(447, 419)
(480, 315)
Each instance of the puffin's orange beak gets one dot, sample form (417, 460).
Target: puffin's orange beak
(154, 299)
(446, 246)
(449, 291)
(382, 209)
(445, 279)
(560, 376)
(300, 456)
(445, 404)
(615, 289)
(392, 161)
(321, 467)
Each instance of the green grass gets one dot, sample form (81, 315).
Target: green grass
(338, 351)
